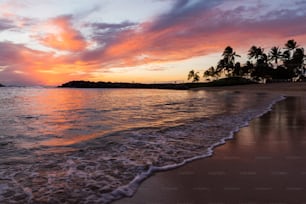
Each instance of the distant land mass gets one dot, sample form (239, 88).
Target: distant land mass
(181, 86)
(90, 84)
(1, 85)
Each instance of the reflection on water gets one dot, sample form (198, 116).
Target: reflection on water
(67, 116)
(59, 117)
(83, 144)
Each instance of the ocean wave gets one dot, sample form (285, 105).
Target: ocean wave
(222, 128)
(103, 169)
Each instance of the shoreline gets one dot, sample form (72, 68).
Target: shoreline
(153, 189)
(283, 88)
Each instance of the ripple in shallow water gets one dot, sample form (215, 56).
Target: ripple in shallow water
(101, 169)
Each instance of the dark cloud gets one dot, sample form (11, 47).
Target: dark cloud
(107, 33)
(281, 22)
(9, 53)
(111, 26)
(11, 77)
(189, 29)
(83, 14)
(182, 11)
(207, 19)
(6, 24)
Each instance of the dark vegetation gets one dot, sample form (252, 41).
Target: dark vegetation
(182, 86)
(230, 81)
(278, 64)
(89, 84)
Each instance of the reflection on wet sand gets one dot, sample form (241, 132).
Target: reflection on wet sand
(264, 163)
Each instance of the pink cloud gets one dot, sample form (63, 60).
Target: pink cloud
(64, 36)
(20, 65)
(186, 31)
(194, 30)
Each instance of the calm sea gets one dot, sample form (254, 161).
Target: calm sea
(97, 145)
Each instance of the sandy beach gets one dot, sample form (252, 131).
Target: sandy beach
(285, 89)
(264, 163)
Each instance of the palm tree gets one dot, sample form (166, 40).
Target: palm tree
(299, 55)
(194, 76)
(227, 62)
(264, 58)
(293, 58)
(286, 55)
(255, 52)
(261, 70)
(275, 54)
(248, 68)
(211, 72)
(191, 74)
(291, 45)
(237, 70)
(229, 56)
(298, 60)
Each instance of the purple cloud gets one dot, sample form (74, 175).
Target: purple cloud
(106, 33)
(6, 24)
(192, 28)
(182, 11)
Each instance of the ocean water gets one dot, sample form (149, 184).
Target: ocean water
(97, 145)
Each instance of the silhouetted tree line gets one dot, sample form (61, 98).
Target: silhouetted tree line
(100, 84)
(278, 64)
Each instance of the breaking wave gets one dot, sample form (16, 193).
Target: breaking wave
(102, 152)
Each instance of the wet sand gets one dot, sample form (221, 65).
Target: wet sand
(264, 163)
(286, 89)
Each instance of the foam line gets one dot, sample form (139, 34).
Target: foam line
(130, 189)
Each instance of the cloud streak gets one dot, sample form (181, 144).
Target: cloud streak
(189, 29)
(5, 24)
(63, 36)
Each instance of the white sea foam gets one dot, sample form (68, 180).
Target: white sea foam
(74, 151)
(129, 189)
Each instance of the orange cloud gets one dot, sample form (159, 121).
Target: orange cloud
(21, 65)
(63, 36)
(133, 48)
(184, 32)
(189, 32)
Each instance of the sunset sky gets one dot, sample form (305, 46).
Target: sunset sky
(50, 42)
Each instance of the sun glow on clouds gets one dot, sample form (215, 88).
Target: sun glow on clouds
(63, 36)
(158, 41)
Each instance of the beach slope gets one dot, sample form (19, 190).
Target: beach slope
(264, 163)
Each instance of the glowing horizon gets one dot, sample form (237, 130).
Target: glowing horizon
(52, 42)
